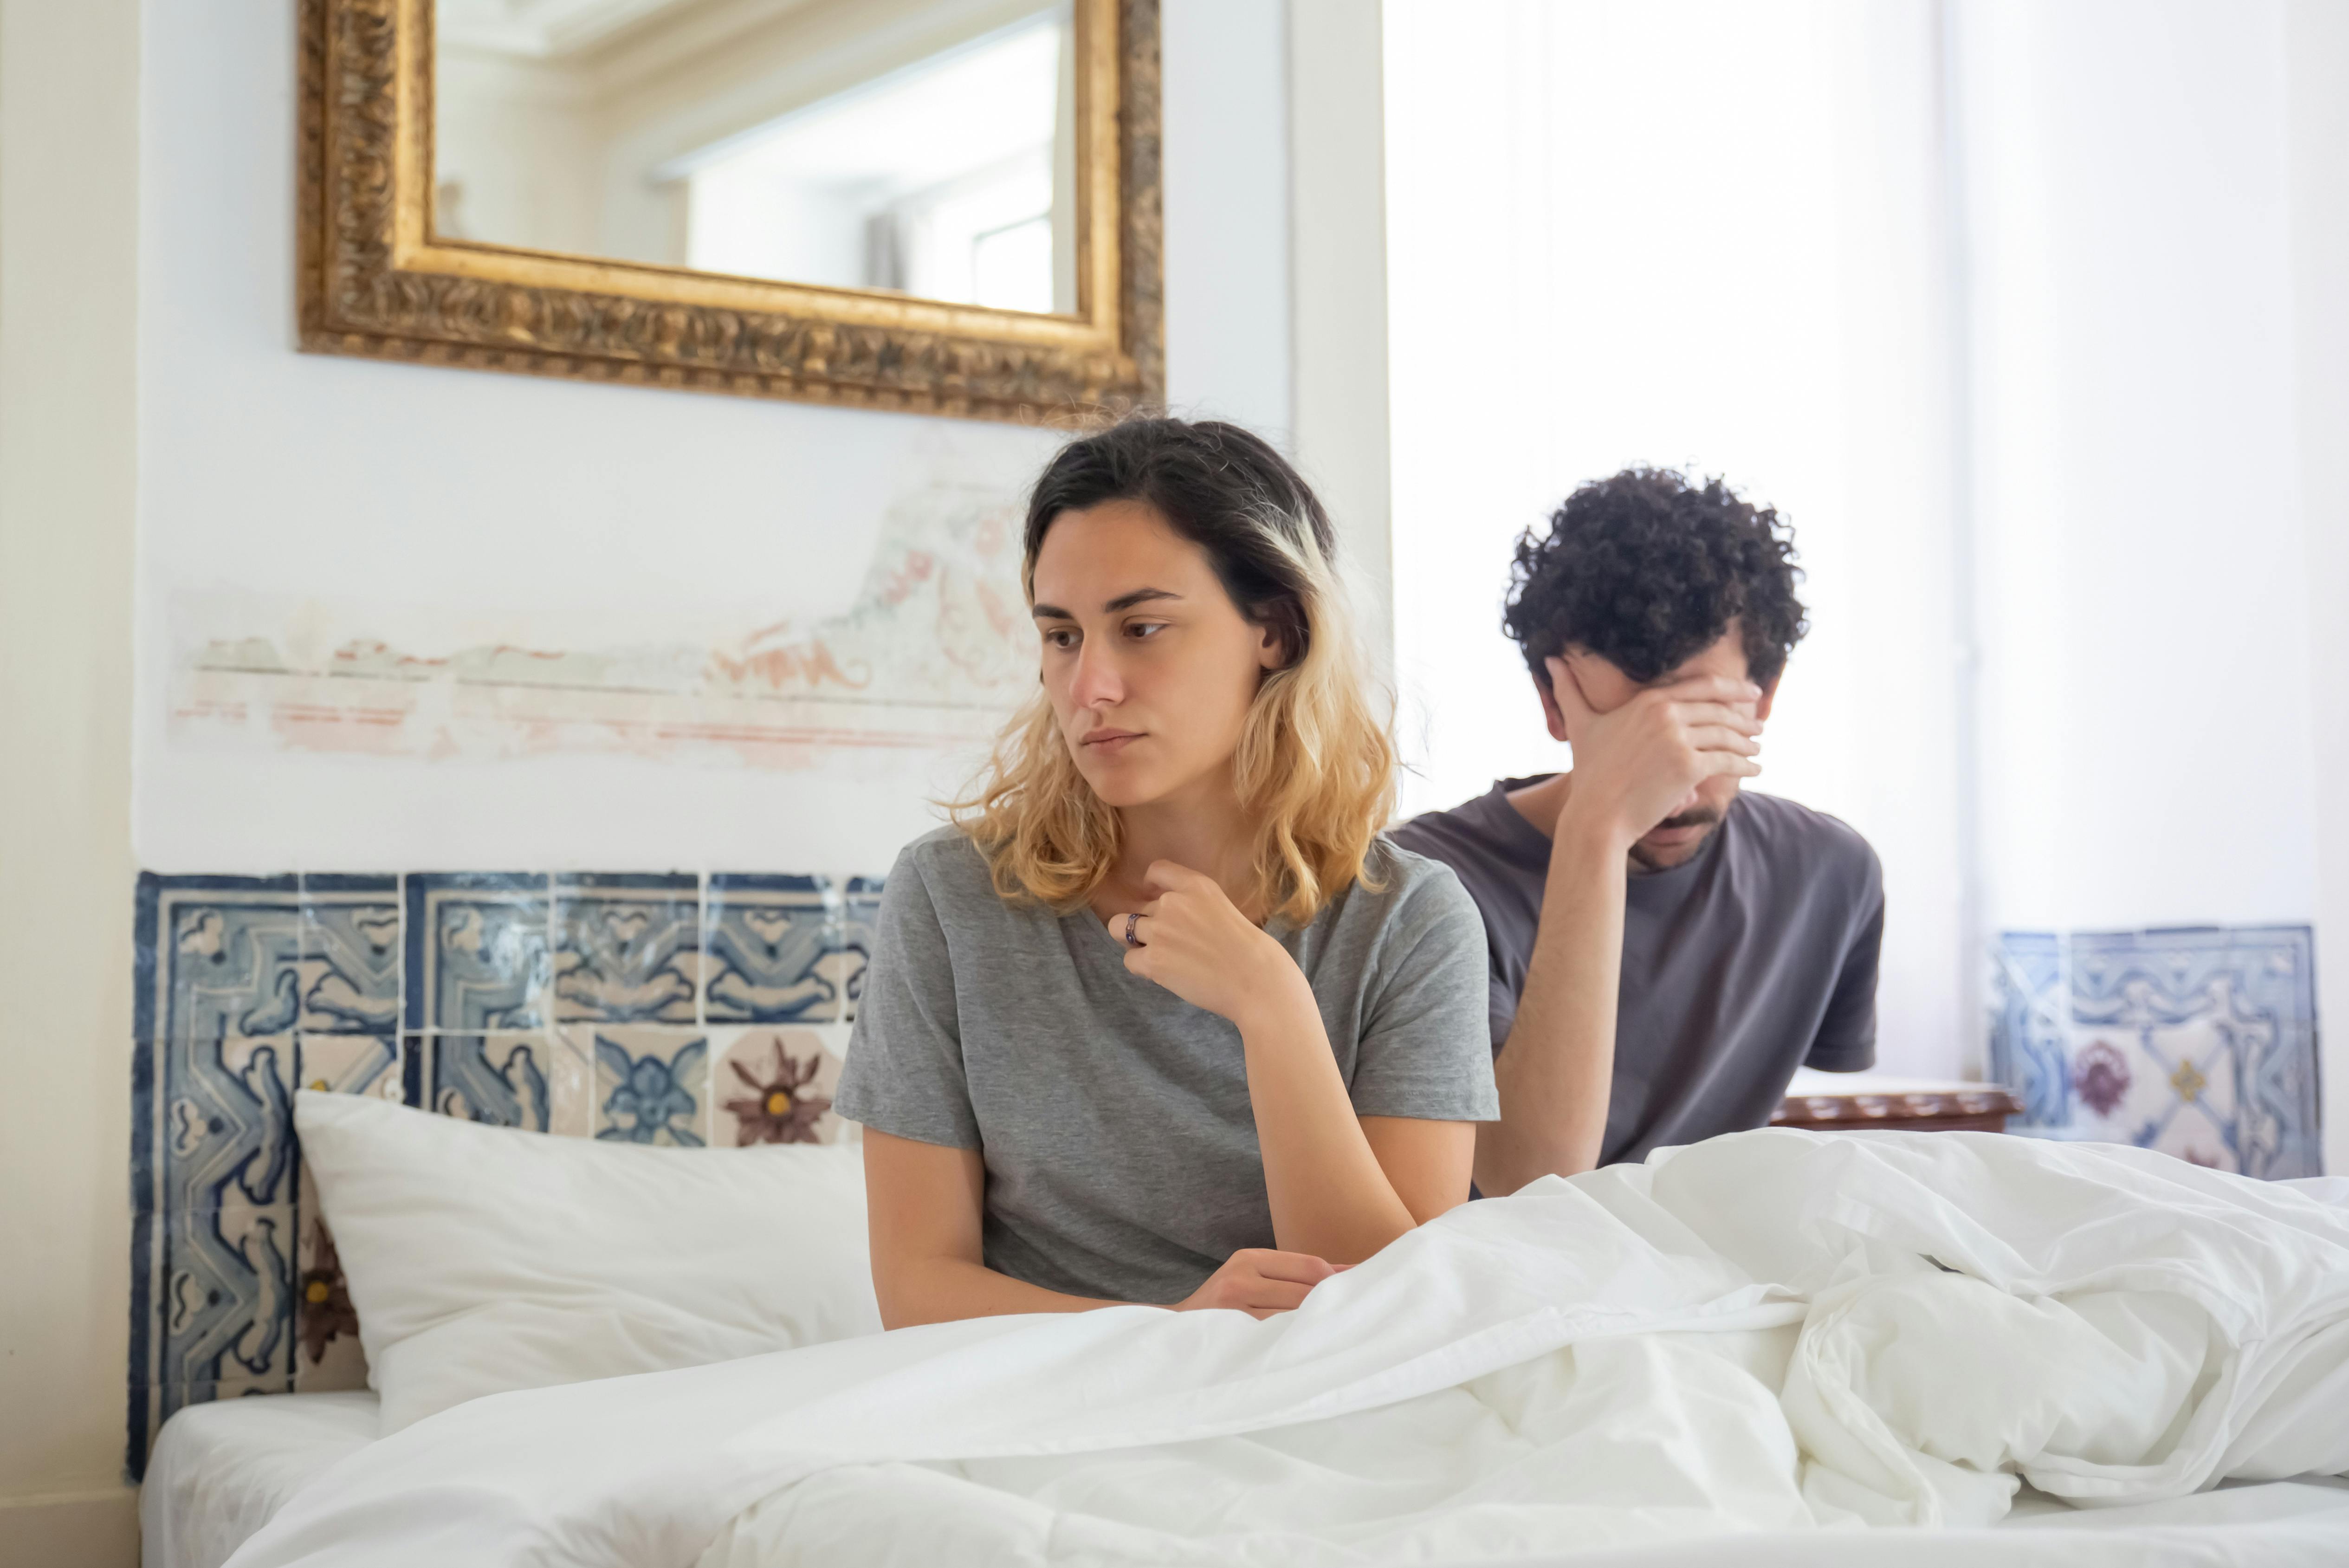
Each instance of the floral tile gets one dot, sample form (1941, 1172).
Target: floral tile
(216, 956)
(499, 1079)
(774, 950)
(326, 1353)
(477, 951)
(652, 1084)
(350, 954)
(863, 919)
(627, 948)
(2199, 1042)
(772, 1085)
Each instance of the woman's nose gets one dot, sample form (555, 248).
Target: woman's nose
(1096, 683)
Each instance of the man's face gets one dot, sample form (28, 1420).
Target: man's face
(1606, 687)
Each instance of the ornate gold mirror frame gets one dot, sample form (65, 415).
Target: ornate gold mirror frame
(375, 281)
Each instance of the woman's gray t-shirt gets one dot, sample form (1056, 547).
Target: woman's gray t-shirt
(1121, 1150)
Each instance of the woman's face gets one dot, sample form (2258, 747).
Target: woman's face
(1149, 665)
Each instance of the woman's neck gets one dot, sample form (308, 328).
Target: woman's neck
(1204, 828)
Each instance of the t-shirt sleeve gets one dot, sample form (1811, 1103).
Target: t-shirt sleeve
(1846, 1042)
(1425, 1050)
(903, 1073)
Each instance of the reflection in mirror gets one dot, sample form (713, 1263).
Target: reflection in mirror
(924, 146)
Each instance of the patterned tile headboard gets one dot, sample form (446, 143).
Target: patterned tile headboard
(674, 1009)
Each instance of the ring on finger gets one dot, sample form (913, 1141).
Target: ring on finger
(1131, 939)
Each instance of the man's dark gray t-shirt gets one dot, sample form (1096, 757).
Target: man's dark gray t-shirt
(1755, 956)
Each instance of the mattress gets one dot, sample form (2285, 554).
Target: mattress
(220, 1471)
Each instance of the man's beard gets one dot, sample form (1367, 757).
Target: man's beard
(1703, 817)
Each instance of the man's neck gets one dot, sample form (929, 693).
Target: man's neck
(1540, 803)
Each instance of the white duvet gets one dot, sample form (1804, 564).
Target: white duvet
(1789, 1337)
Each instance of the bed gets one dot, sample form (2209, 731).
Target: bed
(220, 1471)
(1779, 1345)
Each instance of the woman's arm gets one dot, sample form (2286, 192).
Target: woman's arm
(1335, 1193)
(922, 1210)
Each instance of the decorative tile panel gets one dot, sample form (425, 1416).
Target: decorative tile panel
(2201, 1042)
(774, 950)
(863, 920)
(477, 951)
(572, 1003)
(501, 1079)
(773, 1085)
(628, 948)
(350, 954)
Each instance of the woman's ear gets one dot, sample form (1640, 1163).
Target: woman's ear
(1272, 648)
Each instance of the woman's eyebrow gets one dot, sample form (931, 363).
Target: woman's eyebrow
(1122, 602)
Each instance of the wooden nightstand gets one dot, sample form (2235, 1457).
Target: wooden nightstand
(1841, 1102)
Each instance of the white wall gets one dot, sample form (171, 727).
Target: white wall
(69, 211)
(2146, 700)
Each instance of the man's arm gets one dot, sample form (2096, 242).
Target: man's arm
(1556, 1071)
(1633, 766)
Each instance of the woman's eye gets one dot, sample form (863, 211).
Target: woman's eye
(1145, 629)
(1062, 638)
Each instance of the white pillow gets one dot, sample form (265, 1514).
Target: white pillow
(481, 1259)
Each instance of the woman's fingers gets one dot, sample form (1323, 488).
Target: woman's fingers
(1275, 1295)
(1303, 1268)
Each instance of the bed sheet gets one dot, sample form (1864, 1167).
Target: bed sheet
(219, 1471)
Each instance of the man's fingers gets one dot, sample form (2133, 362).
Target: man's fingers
(1728, 715)
(1716, 764)
(1567, 692)
(1720, 738)
(1721, 689)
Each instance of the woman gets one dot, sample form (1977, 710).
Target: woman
(1161, 1018)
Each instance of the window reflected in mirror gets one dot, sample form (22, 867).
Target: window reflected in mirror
(925, 146)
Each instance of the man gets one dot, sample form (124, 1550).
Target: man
(1665, 950)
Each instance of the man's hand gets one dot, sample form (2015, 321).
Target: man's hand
(1640, 764)
(1260, 1282)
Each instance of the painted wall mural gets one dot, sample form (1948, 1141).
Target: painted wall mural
(934, 651)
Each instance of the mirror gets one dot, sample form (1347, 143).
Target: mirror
(944, 207)
(927, 148)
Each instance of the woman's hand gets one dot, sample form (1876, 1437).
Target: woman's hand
(1197, 944)
(1260, 1282)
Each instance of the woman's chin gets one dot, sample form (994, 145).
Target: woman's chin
(1120, 787)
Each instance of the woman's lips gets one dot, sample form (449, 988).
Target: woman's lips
(1110, 743)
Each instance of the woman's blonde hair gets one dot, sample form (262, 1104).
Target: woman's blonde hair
(1314, 766)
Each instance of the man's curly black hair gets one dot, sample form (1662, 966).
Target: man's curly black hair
(1646, 569)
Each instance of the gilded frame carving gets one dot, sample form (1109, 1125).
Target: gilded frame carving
(374, 280)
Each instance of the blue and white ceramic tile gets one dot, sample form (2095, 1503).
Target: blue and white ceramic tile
(350, 954)
(652, 1084)
(212, 1311)
(349, 1064)
(863, 919)
(772, 1085)
(217, 956)
(571, 1082)
(2201, 1042)
(627, 948)
(477, 951)
(212, 1123)
(499, 1079)
(774, 950)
